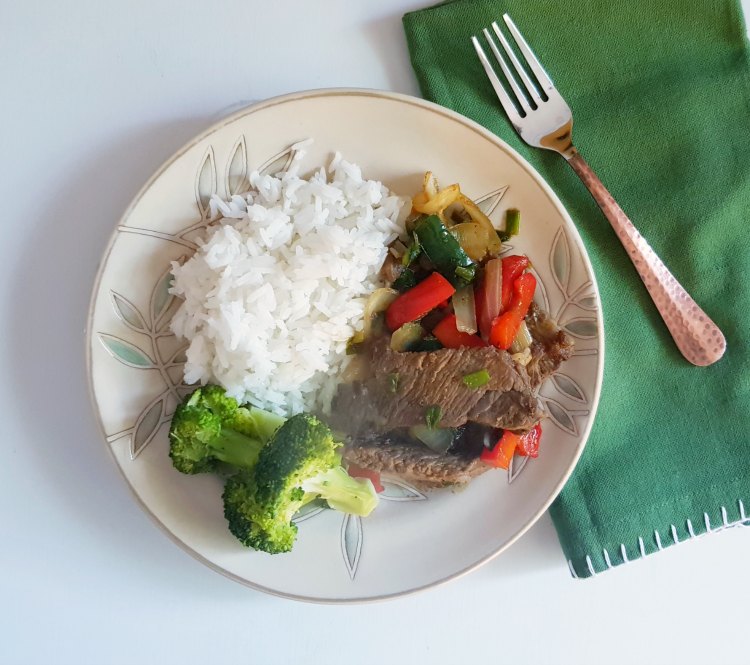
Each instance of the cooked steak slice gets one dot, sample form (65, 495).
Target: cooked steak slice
(550, 348)
(415, 462)
(404, 385)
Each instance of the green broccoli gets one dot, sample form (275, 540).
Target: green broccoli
(209, 428)
(300, 463)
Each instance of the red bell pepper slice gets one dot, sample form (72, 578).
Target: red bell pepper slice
(505, 327)
(529, 442)
(358, 472)
(488, 296)
(513, 267)
(418, 300)
(451, 337)
(501, 455)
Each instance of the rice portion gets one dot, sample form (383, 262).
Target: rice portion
(279, 283)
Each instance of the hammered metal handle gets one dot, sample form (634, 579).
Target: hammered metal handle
(697, 337)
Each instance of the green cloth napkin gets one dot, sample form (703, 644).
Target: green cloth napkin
(661, 104)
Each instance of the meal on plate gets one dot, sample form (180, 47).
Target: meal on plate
(339, 331)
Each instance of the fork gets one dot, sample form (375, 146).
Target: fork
(543, 119)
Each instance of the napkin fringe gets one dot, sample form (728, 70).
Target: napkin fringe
(588, 568)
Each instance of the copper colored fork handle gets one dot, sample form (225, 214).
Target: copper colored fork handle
(697, 337)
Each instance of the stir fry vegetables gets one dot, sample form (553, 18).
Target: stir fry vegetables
(509, 444)
(449, 288)
(444, 251)
(418, 301)
(505, 327)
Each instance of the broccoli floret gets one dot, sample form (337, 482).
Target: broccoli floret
(300, 463)
(209, 428)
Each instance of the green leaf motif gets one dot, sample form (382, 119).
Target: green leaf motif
(351, 542)
(128, 312)
(146, 426)
(127, 353)
(490, 201)
(236, 177)
(205, 182)
(560, 260)
(568, 387)
(161, 298)
(583, 328)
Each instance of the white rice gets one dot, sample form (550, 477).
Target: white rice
(279, 284)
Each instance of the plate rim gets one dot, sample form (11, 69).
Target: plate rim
(428, 106)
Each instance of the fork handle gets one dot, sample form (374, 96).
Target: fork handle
(697, 337)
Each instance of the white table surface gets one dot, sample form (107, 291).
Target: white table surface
(104, 92)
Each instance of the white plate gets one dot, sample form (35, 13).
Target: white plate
(412, 541)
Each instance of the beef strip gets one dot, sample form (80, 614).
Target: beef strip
(424, 379)
(398, 454)
(369, 412)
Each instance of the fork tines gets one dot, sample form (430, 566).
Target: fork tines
(527, 94)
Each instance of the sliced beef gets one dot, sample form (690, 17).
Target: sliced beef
(425, 379)
(397, 454)
(550, 348)
(372, 414)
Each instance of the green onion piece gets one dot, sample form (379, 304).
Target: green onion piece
(393, 382)
(466, 273)
(432, 416)
(412, 253)
(477, 379)
(405, 280)
(512, 222)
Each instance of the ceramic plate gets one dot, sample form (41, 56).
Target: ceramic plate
(413, 540)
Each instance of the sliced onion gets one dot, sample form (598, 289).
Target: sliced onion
(480, 218)
(466, 313)
(437, 203)
(439, 439)
(490, 295)
(378, 302)
(406, 336)
(429, 185)
(473, 239)
(522, 340)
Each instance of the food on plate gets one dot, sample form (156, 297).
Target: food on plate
(340, 333)
(447, 386)
(209, 429)
(280, 282)
(273, 466)
(300, 463)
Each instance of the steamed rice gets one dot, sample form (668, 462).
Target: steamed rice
(279, 284)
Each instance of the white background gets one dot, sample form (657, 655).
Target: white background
(95, 96)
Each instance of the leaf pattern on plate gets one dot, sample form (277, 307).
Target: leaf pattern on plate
(205, 182)
(127, 353)
(583, 328)
(568, 387)
(278, 162)
(395, 489)
(236, 180)
(147, 425)
(560, 261)
(351, 542)
(517, 464)
(588, 302)
(310, 510)
(161, 299)
(488, 202)
(128, 313)
(563, 417)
